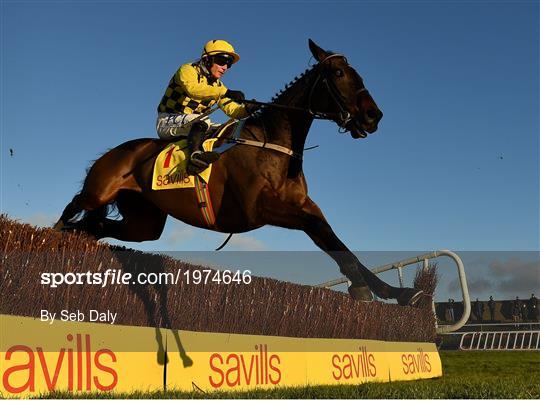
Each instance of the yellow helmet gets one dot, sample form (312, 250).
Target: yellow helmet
(218, 46)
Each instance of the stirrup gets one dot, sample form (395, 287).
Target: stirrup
(197, 160)
(206, 157)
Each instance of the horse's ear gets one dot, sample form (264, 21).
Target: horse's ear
(317, 52)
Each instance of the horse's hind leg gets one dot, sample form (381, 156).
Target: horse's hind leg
(94, 202)
(72, 209)
(91, 222)
(141, 219)
(107, 176)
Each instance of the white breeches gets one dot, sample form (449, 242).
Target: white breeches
(169, 126)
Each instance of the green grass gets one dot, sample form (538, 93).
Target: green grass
(478, 375)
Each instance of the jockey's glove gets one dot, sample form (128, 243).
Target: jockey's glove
(251, 108)
(237, 96)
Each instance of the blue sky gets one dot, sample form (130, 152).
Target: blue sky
(454, 164)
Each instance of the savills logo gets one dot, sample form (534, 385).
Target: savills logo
(354, 365)
(74, 363)
(416, 363)
(233, 369)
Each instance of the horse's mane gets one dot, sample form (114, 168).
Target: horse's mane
(285, 91)
(288, 86)
(295, 167)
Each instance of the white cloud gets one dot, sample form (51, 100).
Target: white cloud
(476, 285)
(510, 277)
(41, 219)
(516, 276)
(179, 234)
(246, 243)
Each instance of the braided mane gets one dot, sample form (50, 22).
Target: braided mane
(288, 86)
(292, 84)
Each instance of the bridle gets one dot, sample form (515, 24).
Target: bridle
(343, 117)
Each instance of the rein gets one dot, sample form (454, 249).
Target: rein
(321, 115)
(342, 118)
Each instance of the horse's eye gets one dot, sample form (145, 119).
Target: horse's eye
(339, 73)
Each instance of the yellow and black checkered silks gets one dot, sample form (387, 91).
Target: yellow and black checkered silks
(190, 91)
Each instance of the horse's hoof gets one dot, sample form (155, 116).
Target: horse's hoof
(361, 293)
(409, 296)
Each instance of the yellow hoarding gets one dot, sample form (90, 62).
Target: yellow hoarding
(37, 357)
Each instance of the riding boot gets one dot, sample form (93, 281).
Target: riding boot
(199, 159)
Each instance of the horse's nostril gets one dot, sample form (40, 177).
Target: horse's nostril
(372, 114)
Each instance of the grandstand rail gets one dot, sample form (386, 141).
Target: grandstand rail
(525, 340)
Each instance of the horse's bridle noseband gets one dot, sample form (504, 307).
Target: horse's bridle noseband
(344, 117)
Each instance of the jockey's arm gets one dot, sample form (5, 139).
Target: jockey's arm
(188, 79)
(232, 109)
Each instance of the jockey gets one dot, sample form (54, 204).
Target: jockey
(192, 91)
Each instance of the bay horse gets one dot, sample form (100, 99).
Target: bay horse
(250, 187)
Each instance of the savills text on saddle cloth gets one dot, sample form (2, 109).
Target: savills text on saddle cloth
(170, 165)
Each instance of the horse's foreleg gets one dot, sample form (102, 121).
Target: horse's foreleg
(310, 219)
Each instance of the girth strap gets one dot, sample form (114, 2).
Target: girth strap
(235, 139)
(204, 202)
(266, 145)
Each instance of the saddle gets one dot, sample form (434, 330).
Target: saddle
(170, 165)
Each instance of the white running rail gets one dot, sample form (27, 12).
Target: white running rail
(425, 259)
(526, 340)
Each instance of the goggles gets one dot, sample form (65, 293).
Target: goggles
(222, 60)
